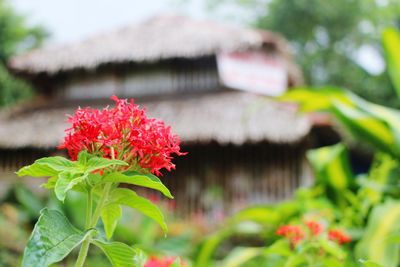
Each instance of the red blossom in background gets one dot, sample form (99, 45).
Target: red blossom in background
(315, 227)
(293, 233)
(156, 262)
(146, 144)
(339, 236)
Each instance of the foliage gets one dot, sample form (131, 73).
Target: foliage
(16, 36)
(354, 205)
(52, 239)
(106, 143)
(21, 207)
(366, 205)
(378, 232)
(391, 44)
(253, 222)
(376, 195)
(374, 124)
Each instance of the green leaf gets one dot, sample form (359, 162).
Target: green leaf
(394, 239)
(210, 245)
(296, 260)
(333, 249)
(36, 170)
(52, 239)
(375, 245)
(176, 263)
(83, 157)
(119, 254)
(268, 215)
(110, 215)
(94, 178)
(51, 182)
(374, 124)
(379, 126)
(316, 99)
(61, 185)
(391, 45)
(57, 163)
(129, 198)
(135, 178)
(240, 255)
(96, 163)
(331, 165)
(370, 263)
(280, 247)
(75, 181)
(66, 181)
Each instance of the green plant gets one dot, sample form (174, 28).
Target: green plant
(16, 36)
(108, 147)
(374, 196)
(366, 205)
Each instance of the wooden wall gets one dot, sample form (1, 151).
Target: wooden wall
(13, 159)
(220, 180)
(166, 77)
(214, 179)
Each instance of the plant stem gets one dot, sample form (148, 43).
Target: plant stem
(89, 208)
(86, 243)
(100, 205)
(83, 252)
(90, 221)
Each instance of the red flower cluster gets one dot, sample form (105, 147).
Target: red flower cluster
(146, 144)
(293, 233)
(315, 227)
(156, 262)
(339, 236)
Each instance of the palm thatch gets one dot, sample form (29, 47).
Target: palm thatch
(158, 38)
(230, 117)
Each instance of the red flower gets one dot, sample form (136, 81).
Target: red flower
(339, 237)
(292, 232)
(156, 262)
(315, 227)
(146, 144)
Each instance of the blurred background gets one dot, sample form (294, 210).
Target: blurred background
(217, 72)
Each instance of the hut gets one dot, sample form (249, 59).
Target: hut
(207, 80)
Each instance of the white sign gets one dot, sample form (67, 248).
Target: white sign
(253, 71)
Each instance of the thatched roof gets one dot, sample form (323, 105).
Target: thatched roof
(225, 117)
(161, 37)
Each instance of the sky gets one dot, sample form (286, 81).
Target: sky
(71, 20)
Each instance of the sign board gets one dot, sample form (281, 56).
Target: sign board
(253, 71)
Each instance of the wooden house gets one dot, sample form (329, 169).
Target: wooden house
(242, 146)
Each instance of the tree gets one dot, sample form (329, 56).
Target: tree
(326, 37)
(15, 37)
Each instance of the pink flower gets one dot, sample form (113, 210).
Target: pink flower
(146, 144)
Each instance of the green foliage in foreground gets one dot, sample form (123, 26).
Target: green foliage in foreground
(367, 205)
(54, 237)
